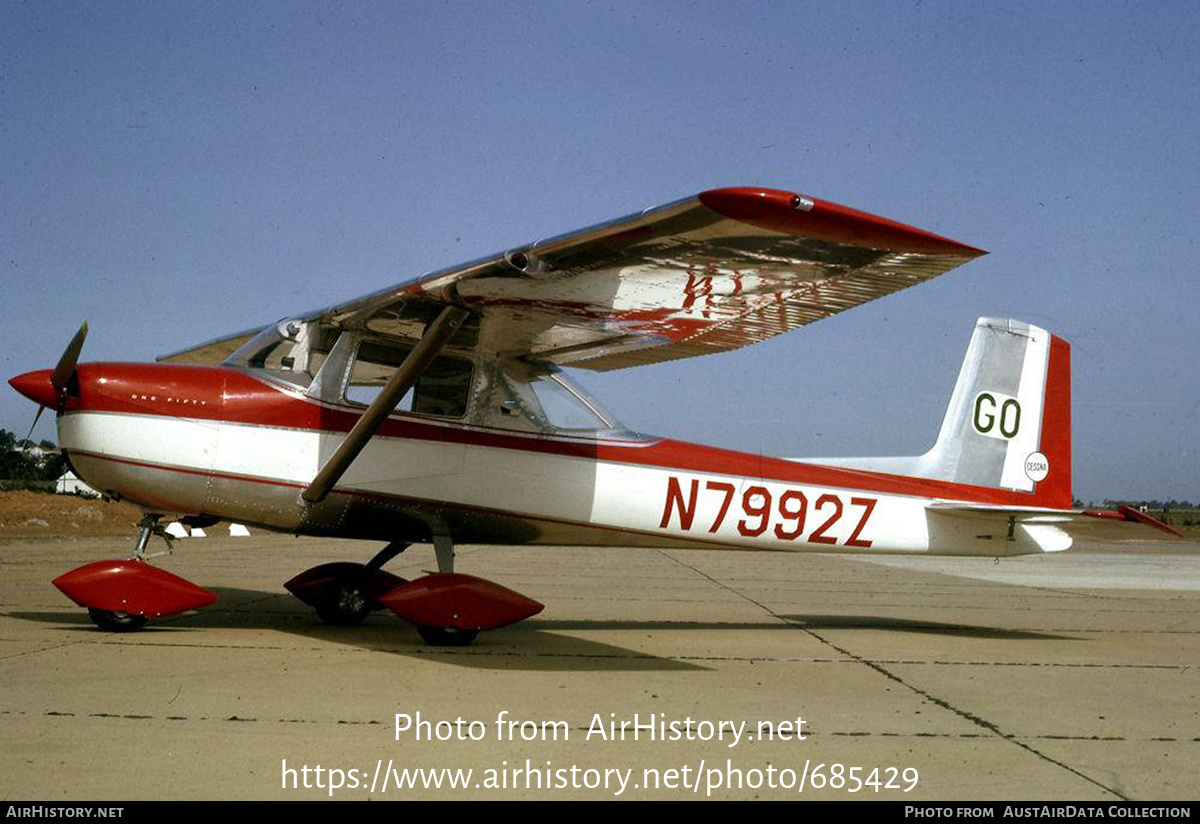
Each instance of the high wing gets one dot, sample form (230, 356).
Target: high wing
(709, 273)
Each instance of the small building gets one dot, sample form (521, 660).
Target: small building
(69, 484)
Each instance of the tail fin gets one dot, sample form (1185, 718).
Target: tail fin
(1009, 420)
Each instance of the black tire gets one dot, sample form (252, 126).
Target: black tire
(348, 609)
(447, 636)
(116, 621)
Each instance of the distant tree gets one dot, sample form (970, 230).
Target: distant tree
(52, 468)
(17, 465)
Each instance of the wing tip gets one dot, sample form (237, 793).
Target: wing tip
(792, 213)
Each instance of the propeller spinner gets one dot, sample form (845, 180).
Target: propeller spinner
(48, 388)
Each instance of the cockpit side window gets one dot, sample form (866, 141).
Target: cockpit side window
(539, 397)
(443, 389)
(566, 407)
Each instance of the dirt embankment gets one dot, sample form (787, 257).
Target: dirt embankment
(26, 514)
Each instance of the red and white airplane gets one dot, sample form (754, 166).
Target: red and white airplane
(436, 411)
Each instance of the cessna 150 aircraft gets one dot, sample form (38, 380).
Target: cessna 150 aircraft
(437, 411)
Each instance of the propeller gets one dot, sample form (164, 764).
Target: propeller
(36, 418)
(48, 388)
(61, 376)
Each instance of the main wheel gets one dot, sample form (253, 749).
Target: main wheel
(447, 636)
(347, 609)
(116, 621)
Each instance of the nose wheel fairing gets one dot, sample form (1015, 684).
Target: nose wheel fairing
(120, 596)
(131, 587)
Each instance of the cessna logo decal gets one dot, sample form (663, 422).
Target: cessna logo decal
(1037, 467)
(996, 415)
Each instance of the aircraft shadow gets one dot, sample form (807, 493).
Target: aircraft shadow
(533, 646)
(523, 647)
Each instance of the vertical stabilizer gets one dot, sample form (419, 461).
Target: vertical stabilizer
(1008, 424)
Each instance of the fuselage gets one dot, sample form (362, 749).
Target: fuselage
(234, 444)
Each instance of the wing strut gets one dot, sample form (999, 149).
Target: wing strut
(435, 337)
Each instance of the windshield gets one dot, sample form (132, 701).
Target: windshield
(293, 354)
(565, 405)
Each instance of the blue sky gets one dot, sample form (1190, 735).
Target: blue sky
(171, 172)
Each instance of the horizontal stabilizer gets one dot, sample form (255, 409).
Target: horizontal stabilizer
(1052, 528)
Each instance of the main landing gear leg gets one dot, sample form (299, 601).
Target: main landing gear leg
(386, 554)
(444, 548)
